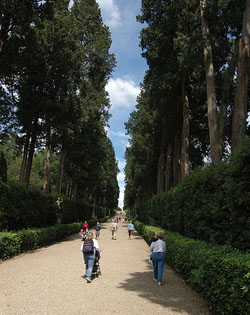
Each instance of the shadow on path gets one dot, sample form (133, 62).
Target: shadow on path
(171, 295)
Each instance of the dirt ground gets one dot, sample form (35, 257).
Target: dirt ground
(49, 281)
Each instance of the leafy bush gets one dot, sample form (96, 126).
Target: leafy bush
(9, 244)
(73, 210)
(21, 209)
(221, 273)
(210, 204)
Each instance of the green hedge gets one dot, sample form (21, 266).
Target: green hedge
(221, 273)
(21, 209)
(210, 204)
(14, 243)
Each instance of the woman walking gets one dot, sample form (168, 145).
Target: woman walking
(131, 229)
(158, 249)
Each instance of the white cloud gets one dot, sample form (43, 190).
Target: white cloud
(121, 177)
(124, 144)
(121, 198)
(122, 93)
(117, 133)
(121, 165)
(110, 12)
(121, 195)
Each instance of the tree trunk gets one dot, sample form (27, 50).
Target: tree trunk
(149, 190)
(210, 84)
(60, 173)
(229, 74)
(168, 167)
(86, 194)
(75, 193)
(160, 172)
(31, 152)
(69, 189)
(185, 133)
(241, 93)
(24, 161)
(176, 158)
(47, 164)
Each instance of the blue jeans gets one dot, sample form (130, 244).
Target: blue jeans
(89, 261)
(158, 260)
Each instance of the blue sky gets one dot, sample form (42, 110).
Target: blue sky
(124, 86)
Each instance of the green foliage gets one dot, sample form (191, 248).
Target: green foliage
(211, 203)
(3, 168)
(221, 273)
(27, 209)
(22, 209)
(68, 46)
(11, 244)
(140, 156)
(172, 44)
(73, 210)
(238, 196)
(23, 240)
(154, 208)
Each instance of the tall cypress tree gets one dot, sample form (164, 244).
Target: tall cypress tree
(3, 168)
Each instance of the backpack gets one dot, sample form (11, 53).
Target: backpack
(88, 246)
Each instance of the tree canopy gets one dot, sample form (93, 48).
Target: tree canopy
(55, 63)
(195, 87)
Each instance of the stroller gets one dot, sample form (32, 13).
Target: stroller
(83, 234)
(96, 272)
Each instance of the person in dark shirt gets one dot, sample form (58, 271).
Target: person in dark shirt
(97, 230)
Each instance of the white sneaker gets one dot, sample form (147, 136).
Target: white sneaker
(88, 280)
(150, 261)
(159, 283)
(154, 279)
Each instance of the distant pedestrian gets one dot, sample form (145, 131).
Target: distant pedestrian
(158, 249)
(113, 229)
(152, 239)
(85, 226)
(117, 219)
(131, 229)
(97, 230)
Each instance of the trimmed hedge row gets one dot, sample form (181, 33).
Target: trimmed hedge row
(21, 209)
(14, 243)
(211, 204)
(221, 273)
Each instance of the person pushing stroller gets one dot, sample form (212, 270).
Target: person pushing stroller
(83, 234)
(91, 251)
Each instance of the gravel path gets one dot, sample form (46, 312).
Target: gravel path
(49, 281)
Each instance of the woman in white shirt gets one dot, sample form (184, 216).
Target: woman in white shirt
(158, 249)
